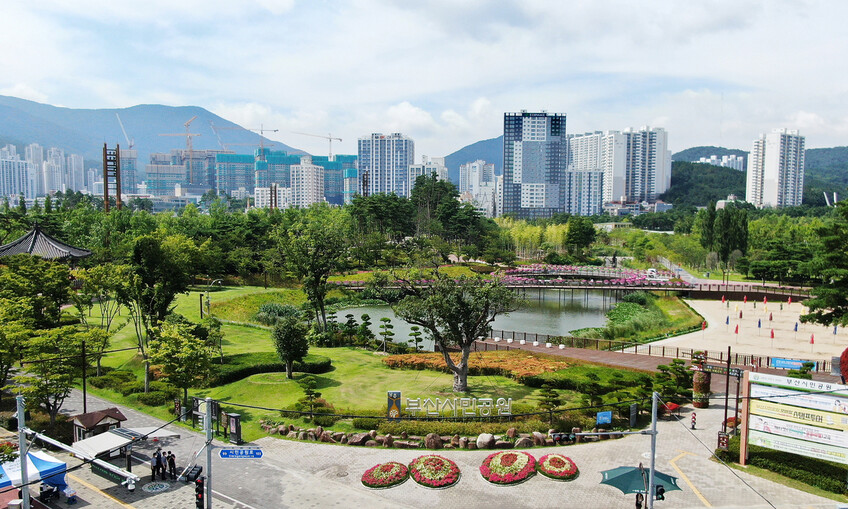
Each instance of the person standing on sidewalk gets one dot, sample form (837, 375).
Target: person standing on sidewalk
(172, 464)
(154, 464)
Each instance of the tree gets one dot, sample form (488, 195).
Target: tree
(386, 331)
(185, 358)
(415, 338)
(580, 235)
(829, 305)
(455, 312)
(100, 284)
(312, 247)
(33, 290)
(289, 338)
(161, 269)
(13, 336)
(549, 400)
(51, 361)
(706, 221)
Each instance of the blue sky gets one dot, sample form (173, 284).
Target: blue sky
(444, 71)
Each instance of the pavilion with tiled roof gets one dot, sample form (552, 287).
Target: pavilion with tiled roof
(38, 243)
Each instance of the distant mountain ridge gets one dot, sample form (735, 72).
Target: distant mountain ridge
(490, 150)
(84, 131)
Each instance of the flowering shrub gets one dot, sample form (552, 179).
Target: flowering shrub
(385, 475)
(557, 466)
(514, 364)
(434, 471)
(508, 467)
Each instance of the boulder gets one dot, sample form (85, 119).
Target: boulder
(371, 443)
(301, 435)
(337, 436)
(503, 444)
(401, 444)
(550, 442)
(463, 443)
(327, 438)
(358, 438)
(310, 435)
(538, 438)
(512, 432)
(485, 441)
(472, 446)
(447, 446)
(381, 440)
(523, 443)
(319, 431)
(454, 441)
(292, 434)
(577, 430)
(343, 440)
(390, 440)
(404, 435)
(373, 434)
(433, 441)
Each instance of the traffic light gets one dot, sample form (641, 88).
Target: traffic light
(660, 491)
(199, 492)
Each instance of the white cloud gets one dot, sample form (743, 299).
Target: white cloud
(24, 91)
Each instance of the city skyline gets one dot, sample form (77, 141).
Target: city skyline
(434, 71)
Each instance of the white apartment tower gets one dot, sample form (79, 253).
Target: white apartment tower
(307, 183)
(648, 164)
(601, 151)
(427, 167)
(384, 162)
(474, 175)
(15, 174)
(776, 170)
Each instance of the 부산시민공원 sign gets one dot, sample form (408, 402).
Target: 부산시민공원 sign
(803, 417)
(448, 407)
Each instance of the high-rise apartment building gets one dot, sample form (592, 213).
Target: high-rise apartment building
(15, 174)
(534, 164)
(75, 173)
(648, 164)
(34, 155)
(601, 151)
(729, 161)
(476, 174)
(129, 171)
(429, 166)
(307, 183)
(776, 170)
(384, 162)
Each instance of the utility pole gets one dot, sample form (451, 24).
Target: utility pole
(84, 398)
(208, 423)
(649, 497)
(22, 452)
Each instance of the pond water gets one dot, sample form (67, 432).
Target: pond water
(549, 312)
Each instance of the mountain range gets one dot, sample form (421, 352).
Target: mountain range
(84, 131)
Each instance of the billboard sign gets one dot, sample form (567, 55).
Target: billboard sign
(800, 447)
(780, 363)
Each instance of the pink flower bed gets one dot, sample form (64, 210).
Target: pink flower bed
(557, 466)
(434, 471)
(508, 467)
(385, 475)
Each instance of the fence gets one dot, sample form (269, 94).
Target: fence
(760, 361)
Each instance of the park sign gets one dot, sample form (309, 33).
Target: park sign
(458, 407)
(781, 363)
(798, 416)
(604, 417)
(718, 370)
(240, 453)
(393, 406)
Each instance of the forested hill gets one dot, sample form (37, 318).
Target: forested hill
(695, 153)
(698, 184)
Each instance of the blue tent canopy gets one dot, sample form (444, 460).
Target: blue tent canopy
(40, 466)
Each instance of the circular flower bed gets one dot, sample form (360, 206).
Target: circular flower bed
(434, 471)
(385, 475)
(557, 466)
(508, 467)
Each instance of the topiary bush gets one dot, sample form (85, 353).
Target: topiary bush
(155, 398)
(367, 423)
(243, 365)
(128, 388)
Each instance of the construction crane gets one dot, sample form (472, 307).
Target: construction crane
(329, 138)
(130, 142)
(188, 136)
(261, 132)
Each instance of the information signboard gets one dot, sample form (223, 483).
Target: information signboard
(780, 363)
(240, 453)
(605, 417)
(722, 370)
(801, 447)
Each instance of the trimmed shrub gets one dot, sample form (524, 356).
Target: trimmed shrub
(128, 388)
(243, 365)
(155, 398)
(367, 423)
(166, 388)
(821, 474)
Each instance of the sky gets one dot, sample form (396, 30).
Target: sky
(444, 72)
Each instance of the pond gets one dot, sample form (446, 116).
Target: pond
(546, 312)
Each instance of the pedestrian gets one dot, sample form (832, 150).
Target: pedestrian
(172, 465)
(154, 464)
(163, 467)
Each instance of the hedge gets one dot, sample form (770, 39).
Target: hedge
(155, 398)
(239, 366)
(821, 474)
